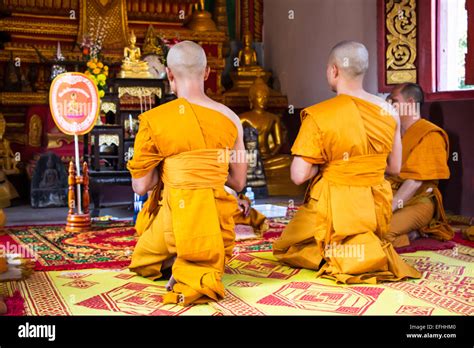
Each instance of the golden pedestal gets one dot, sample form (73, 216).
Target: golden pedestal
(244, 79)
(202, 21)
(78, 222)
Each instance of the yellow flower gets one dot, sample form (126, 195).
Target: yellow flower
(92, 66)
(96, 71)
(87, 72)
(89, 64)
(101, 77)
(101, 93)
(100, 65)
(106, 68)
(101, 83)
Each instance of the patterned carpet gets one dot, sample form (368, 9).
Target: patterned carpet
(107, 245)
(255, 283)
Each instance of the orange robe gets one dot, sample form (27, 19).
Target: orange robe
(255, 219)
(189, 214)
(348, 206)
(425, 158)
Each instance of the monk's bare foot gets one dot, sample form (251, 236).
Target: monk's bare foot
(414, 235)
(170, 284)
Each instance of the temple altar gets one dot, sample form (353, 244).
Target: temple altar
(130, 39)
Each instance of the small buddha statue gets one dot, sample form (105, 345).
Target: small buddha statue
(132, 65)
(152, 43)
(34, 132)
(248, 56)
(248, 69)
(7, 158)
(50, 179)
(271, 138)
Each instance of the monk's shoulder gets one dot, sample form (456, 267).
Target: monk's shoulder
(227, 112)
(327, 114)
(430, 126)
(322, 110)
(434, 132)
(159, 113)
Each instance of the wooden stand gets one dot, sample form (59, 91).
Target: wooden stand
(80, 221)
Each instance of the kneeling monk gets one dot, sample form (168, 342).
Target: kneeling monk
(417, 201)
(187, 222)
(345, 145)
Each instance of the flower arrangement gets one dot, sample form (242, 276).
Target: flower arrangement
(98, 72)
(91, 47)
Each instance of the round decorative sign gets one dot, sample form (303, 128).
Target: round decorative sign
(74, 103)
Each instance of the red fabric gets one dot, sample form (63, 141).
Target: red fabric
(470, 43)
(6, 240)
(460, 240)
(425, 244)
(15, 305)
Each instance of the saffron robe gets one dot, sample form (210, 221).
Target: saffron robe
(348, 204)
(189, 214)
(255, 219)
(424, 158)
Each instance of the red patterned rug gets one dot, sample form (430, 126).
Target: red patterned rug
(107, 245)
(110, 244)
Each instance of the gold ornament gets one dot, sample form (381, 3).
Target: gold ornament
(401, 36)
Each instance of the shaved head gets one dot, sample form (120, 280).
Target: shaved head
(187, 59)
(411, 90)
(351, 58)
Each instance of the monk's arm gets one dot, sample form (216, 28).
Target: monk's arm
(146, 183)
(394, 161)
(302, 171)
(237, 177)
(406, 191)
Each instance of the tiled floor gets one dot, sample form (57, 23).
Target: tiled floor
(24, 214)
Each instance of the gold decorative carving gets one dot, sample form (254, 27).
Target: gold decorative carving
(258, 20)
(108, 106)
(107, 15)
(23, 98)
(44, 27)
(139, 91)
(107, 139)
(401, 26)
(57, 140)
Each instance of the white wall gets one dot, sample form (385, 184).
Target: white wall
(297, 50)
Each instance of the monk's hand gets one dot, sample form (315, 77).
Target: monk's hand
(244, 206)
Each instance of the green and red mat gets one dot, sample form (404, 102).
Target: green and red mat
(86, 274)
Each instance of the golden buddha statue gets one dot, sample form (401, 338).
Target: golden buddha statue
(271, 137)
(268, 125)
(7, 158)
(152, 44)
(248, 56)
(248, 69)
(132, 65)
